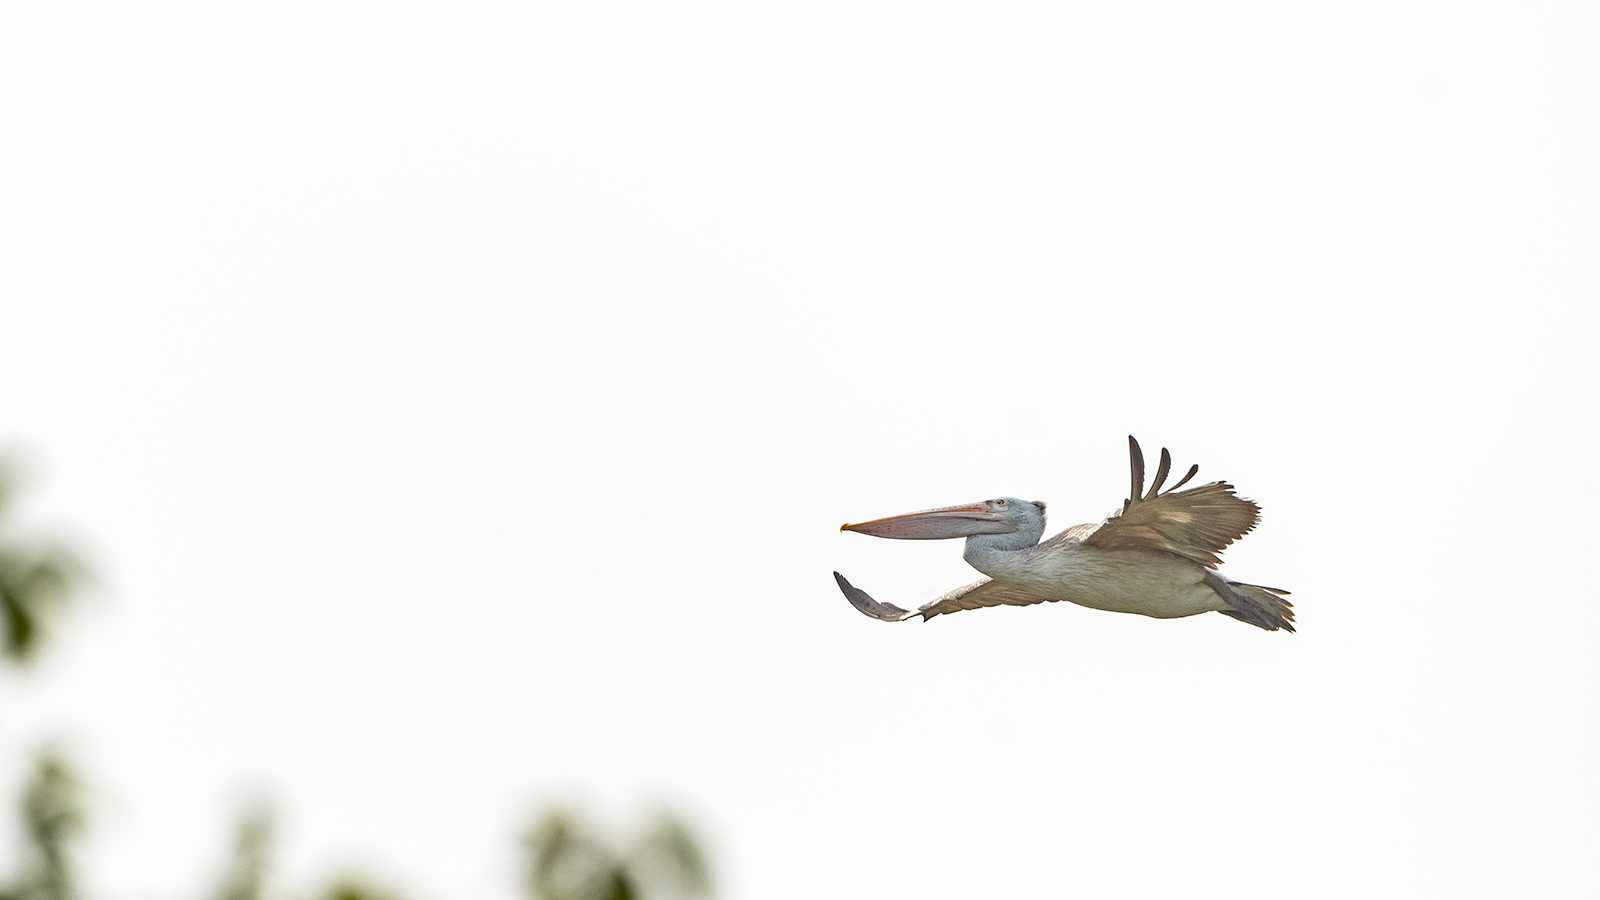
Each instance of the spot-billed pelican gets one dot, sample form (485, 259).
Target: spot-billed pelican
(1156, 556)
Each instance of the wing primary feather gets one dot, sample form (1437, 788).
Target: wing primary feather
(1193, 470)
(1161, 474)
(862, 601)
(1136, 464)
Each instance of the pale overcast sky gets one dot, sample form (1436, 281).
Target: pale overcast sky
(459, 403)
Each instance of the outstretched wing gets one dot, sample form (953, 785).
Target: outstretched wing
(984, 592)
(1196, 524)
(861, 600)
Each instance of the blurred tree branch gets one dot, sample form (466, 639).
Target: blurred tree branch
(252, 856)
(52, 816)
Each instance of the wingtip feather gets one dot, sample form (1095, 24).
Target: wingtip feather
(863, 602)
(1161, 474)
(1193, 471)
(1136, 468)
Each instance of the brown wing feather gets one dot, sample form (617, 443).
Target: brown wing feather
(1196, 524)
(1077, 532)
(985, 592)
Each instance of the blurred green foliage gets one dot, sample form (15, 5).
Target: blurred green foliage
(354, 889)
(252, 856)
(567, 858)
(52, 816)
(36, 578)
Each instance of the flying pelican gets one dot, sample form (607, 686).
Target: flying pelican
(1156, 556)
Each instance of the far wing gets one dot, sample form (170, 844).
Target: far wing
(1196, 524)
(858, 598)
(984, 592)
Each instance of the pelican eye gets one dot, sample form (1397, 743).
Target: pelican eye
(1000, 503)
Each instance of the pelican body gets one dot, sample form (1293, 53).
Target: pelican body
(1156, 556)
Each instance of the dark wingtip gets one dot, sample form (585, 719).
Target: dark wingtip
(1193, 470)
(1136, 467)
(1161, 475)
(886, 612)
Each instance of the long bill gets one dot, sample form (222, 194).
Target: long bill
(937, 524)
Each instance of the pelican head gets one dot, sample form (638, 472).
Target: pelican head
(1000, 516)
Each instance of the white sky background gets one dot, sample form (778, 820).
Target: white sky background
(460, 402)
